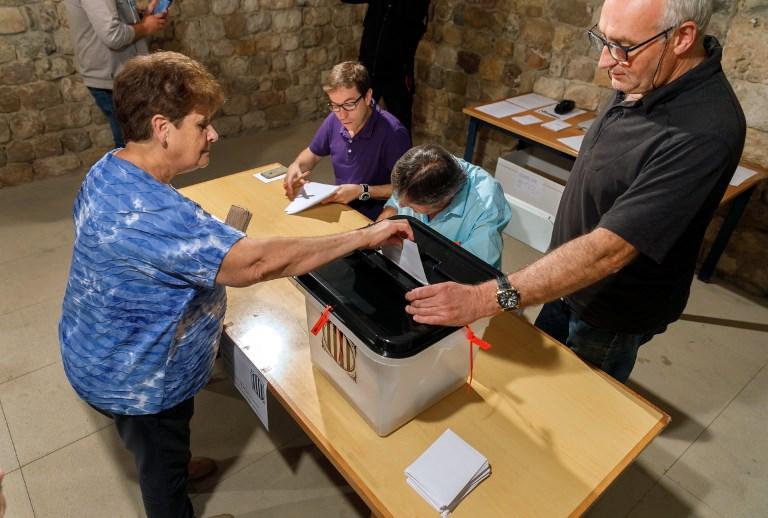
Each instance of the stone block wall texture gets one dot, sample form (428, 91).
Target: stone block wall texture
(480, 50)
(270, 56)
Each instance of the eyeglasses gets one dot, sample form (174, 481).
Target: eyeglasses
(347, 107)
(619, 52)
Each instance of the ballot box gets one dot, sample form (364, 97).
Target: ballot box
(389, 367)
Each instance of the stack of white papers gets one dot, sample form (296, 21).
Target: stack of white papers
(446, 473)
(310, 195)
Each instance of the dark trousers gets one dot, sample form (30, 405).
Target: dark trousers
(160, 447)
(613, 352)
(398, 96)
(103, 100)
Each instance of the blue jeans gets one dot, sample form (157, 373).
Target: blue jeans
(613, 352)
(103, 99)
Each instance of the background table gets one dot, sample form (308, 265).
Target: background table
(555, 431)
(534, 134)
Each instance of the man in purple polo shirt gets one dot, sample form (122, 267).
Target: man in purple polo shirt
(363, 140)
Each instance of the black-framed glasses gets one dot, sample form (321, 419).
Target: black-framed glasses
(619, 52)
(347, 107)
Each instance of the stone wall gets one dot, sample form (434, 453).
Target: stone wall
(268, 54)
(479, 50)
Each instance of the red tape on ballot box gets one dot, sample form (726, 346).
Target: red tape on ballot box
(474, 340)
(324, 316)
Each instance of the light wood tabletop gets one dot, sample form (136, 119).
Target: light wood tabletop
(555, 432)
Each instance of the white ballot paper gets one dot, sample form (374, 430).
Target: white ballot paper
(408, 259)
(526, 120)
(741, 174)
(447, 472)
(572, 142)
(500, 109)
(531, 101)
(556, 125)
(310, 195)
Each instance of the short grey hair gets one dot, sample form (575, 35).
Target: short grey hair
(427, 175)
(677, 12)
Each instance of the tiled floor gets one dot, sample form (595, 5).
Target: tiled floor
(64, 460)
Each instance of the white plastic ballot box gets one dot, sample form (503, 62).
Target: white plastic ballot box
(387, 366)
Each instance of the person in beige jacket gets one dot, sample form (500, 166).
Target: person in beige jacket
(106, 34)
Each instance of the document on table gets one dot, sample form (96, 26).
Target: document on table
(526, 120)
(550, 110)
(501, 109)
(408, 259)
(572, 142)
(447, 472)
(741, 174)
(556, 125)
(531, 101)
(310, 195)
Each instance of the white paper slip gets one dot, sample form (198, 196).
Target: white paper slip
(447, 471)
(526, 120)
(741, 174)
(310, 195)
(572, 142)
(556, 125)
(500, 109)
(585, 125)
(408, 259)
(550, 110)
(531, 101)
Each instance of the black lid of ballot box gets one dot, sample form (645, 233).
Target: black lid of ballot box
(367, 291)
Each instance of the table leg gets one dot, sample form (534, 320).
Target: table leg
(724, 234)
(469, 147)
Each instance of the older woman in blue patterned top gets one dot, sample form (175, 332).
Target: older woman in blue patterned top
(144, 304)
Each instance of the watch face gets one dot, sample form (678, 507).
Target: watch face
(365, 196)
(508, 299)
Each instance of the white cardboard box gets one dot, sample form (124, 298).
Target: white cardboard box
(534, 176)
(529, 224)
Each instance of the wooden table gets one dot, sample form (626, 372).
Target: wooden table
(534, 134)
(555, 432)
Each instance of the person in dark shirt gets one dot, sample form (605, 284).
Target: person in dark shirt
(650, 174)
(391, 32)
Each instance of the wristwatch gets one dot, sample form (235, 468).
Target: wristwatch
(507, 295)
(365, 195)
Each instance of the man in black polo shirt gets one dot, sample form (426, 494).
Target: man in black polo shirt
(650, 174)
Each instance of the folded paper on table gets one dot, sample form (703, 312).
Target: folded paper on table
(447, 472)
(572, 142)
(310, 195)
(741, 174)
